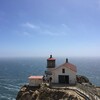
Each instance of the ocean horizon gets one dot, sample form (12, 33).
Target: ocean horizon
(14, 72)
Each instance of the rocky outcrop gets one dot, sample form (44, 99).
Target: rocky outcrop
(45, 93)
(83, 90)
(67, 93)
(82, 79)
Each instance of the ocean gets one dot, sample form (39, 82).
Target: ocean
(14, 72)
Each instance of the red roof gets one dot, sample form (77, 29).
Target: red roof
(69, 66)
(51, 59)
(35, 77)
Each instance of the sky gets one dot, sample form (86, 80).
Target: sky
(38, 28)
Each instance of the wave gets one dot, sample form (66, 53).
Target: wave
(6, 97)
(11, 89)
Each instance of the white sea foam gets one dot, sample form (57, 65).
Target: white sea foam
(14, 86)
(6, 97)
(11, 89)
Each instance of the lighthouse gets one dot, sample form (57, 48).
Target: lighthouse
(51, 63)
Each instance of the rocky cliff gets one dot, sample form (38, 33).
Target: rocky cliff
(32, 93)
(83, 90)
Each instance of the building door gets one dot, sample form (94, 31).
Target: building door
(63, 79)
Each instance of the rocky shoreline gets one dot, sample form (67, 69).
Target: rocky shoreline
(83, 90)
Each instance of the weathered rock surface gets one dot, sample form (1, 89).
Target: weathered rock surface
(68, 93)
(32, 93)
(82, 79)
(46, 93)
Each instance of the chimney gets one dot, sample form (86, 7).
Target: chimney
(66, 60)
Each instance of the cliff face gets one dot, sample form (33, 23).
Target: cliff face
(45, 93)
(84, 90)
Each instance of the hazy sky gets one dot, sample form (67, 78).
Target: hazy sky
(41, 27)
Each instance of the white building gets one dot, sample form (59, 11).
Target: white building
(35, 80)
(64, 74)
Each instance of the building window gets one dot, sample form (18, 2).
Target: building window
(63, 70)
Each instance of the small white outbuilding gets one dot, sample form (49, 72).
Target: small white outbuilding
(35, 80)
